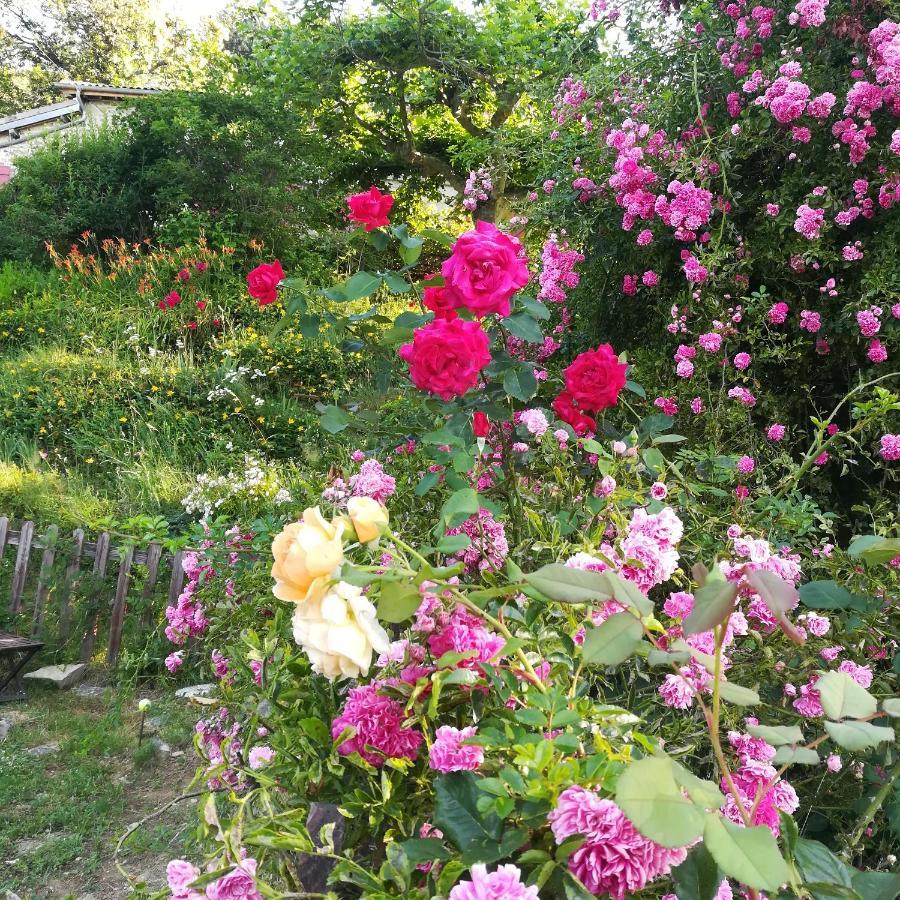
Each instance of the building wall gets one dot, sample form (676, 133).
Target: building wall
(97, 113)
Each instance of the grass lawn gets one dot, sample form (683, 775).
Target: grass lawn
(72, 779)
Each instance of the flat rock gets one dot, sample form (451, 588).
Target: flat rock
(44, 749)
(5, 727)
(195, 690)
(62, 676)
(89, 690)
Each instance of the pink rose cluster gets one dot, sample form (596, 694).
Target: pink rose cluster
(238, 884)
(448, 753)
(756, 775)
(488, 547)
(372, 481)
(615, 859)
(503, 884)
(558, 271)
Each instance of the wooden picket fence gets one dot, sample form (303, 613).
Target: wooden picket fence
(80, 557)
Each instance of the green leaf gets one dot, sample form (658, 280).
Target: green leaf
(434, 235)
(653, 460)
(397, 284)
(704, 793)
(825, 595)
(488, 851)
(802, 756)
(749, 855)
(614, 641)
(456, 811)
(334, 419)
(738, 694)
(876, 885)
(776, 735)
(453, 543)
(428, 481)
(635, 388)
(817, 863)
(309, 326)
(874, 550)
(655, 424)
(525, 327)
(360, 285)
(713, 604)
(397, 601)
(669, 439)
(841, 696)
(531, 717)
(667, 657)
(626, 593)
(858, 735)
(535, 307)
(648, 794)
(567, 585)
(520, 383)
(892, 707)
(698, 877)
(459, 506)
(420, 850)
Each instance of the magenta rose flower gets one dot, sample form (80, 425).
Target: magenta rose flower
(440, 301)
(370, 208)
(238, 884)
(446, 356)
(180, 874)
(486, 268)
(262, 282)
(595, 378)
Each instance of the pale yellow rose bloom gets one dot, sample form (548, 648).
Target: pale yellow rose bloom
(339, 632)
(368, 517)
(306, 553)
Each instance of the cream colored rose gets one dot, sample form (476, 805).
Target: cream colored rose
(339, 631)
(307, 554)
(368, 517)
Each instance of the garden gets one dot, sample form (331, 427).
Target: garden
(464, 444)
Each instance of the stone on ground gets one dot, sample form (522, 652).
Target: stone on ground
(44, 749)
(62, 676)
(195, 690)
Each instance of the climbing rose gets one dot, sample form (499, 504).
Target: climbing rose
(890, 447)
(179, 874)
(305, 554)
(262, 282)
(449, 754)
(485, 269)
(370, 208)
(595, 378)
(614, 859)
(446, 356)
(504, 884)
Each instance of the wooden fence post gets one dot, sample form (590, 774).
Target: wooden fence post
(4, 531)
(117, 618)
(177, 581)
(21, 570)
(44, 577)
(100, 562)
(154, 555)
(69, 579)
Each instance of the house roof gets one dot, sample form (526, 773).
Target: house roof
(39, 114)
(89, 89)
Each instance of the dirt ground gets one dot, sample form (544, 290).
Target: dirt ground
(73, 778)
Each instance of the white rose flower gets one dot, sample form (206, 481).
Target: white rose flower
(339, 631)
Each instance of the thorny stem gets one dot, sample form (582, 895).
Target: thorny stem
(873, 807)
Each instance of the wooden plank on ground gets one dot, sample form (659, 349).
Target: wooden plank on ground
(21, 570)
(117, 618)
(71, 576)
(101, 559)
(45, 577)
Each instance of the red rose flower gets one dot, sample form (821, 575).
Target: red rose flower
(183, 275)
(440, 301)
(485, 270)
(262, 282)
(370, 208)
(595, 378)
(173, 298)
(566, 408)
(481, 424)
(446, 356)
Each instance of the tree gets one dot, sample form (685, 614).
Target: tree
(118, 42)
(420, 87)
